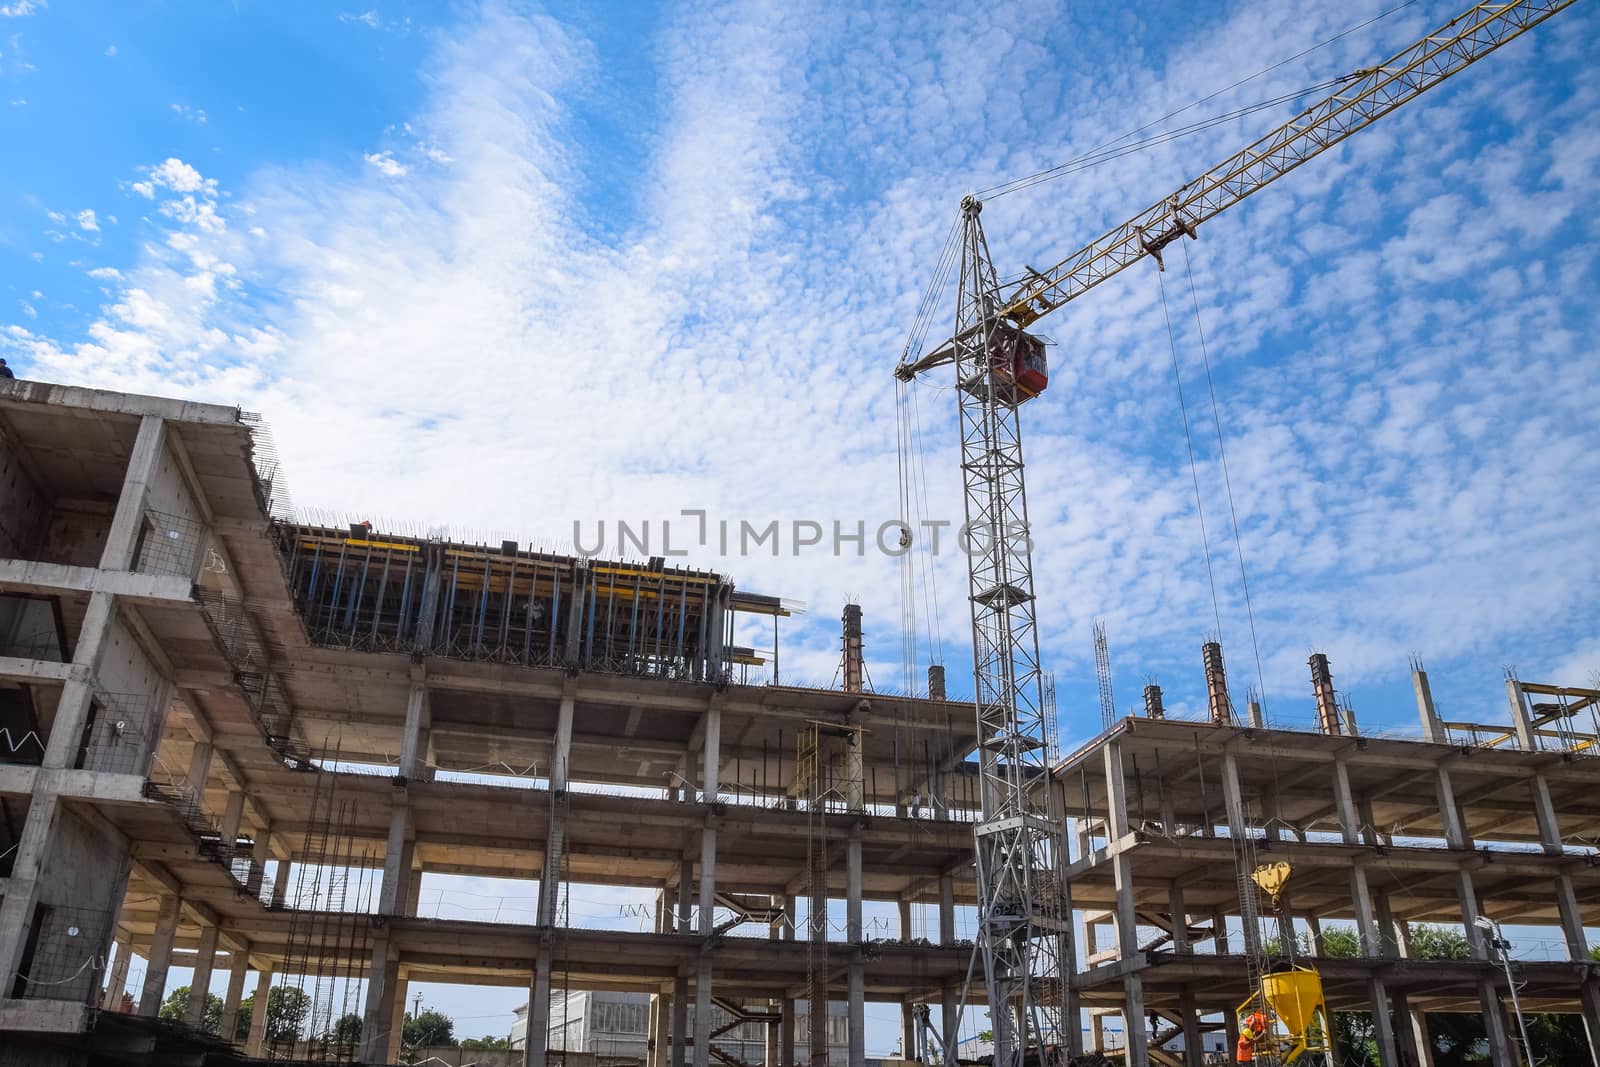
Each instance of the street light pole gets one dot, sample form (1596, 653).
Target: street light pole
(1502, 948)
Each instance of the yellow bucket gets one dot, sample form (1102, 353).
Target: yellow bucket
(1296, 998)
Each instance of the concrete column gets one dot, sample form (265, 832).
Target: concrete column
(1382, 1029)
(1544, 811)
(680, 1018)
(117, 979)
(686, 896)
(160, 959)
(708, 838)
(660, 1024)
(1238, 827)
(280, 883)
(199, 770)
(949, 1012)
(1180, 917)
(786, 1033)
(232, 815)
(414, 884)
(414, 741)
(1361, 904)
(205, 958)
(709, 787)
(1521, 721)
(1432, 726)
(908, 1017)
(1455, 827)
(1189, 1012)
(549, 884)
(702, 1011)
(383, 979)
(538, 1034)
(230, 1002)
(1422, 1040)
(1494, 1024)
(256, 1043)
(260, 854)
(769, 1056)
(397, 1021)
(1127, 920)
(1389, 940)
(399, 851)
(148, 449)
(1589, 999)
(947, 909)
(1344, 802)
(856, 974)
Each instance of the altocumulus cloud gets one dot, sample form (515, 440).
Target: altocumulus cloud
(1397, 334)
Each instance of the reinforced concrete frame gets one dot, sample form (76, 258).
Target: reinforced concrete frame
(231, 689)
(172, 682)
(1382, 834)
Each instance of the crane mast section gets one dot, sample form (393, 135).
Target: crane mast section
(1368, 96)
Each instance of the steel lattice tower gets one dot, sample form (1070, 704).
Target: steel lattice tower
(1020, 923)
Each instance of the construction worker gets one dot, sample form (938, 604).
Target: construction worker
(5, 371)
(1253, 1029)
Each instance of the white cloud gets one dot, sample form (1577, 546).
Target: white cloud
(111, 51)
(180, 177)
(368, 19)
(20, 8)
(87, 221)
(715, 327)
(106, 274)
(387, 165)
(196, 115)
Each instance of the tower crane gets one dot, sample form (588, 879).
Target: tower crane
(1023, 927)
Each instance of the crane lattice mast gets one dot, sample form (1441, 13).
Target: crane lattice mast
(1023, 935)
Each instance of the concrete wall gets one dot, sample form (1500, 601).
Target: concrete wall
(86, 865)
(136, 694)
(75, 537)
(174, 540)
(23, 508)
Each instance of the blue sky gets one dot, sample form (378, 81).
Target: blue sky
(503, 267)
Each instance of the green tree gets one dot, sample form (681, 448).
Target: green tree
(347, 1031)
(241, 1025)
(176, 1007)
(486, 1043)
(287, 1009)
(429, 1028)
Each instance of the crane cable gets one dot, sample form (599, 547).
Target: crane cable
(1084, 161)
(912, 473)
(1194, 470)
(1227, 480)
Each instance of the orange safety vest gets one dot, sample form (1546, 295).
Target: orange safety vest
(1254, 1027)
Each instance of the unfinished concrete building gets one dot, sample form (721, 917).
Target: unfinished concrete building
(231, 742)
(1473, 822)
